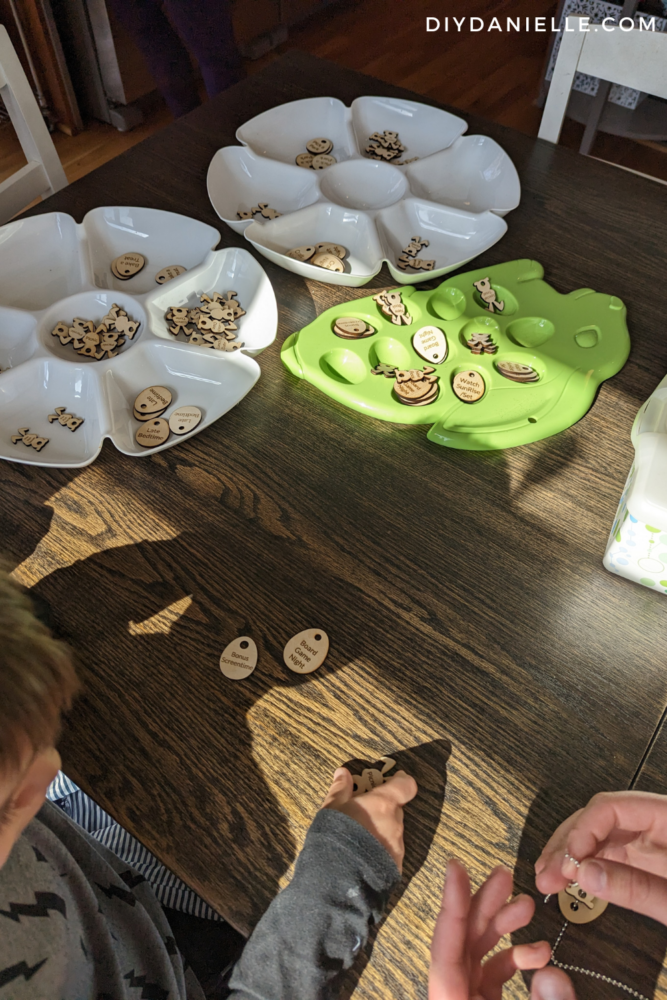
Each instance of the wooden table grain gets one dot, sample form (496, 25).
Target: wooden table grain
(472, 625)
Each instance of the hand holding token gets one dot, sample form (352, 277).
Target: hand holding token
(620, 842)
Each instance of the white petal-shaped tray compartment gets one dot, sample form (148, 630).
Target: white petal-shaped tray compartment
(363, 184)
(163, 238)
(41, 260)
(195, 376)
(455, 237)
(318, 224)
(29, 393)
(18, 337)
(238, 179)
(281, 133)
(232, 269)
(93, 305)
(474, 174)
(422, 129)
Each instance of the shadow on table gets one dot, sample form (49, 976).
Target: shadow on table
(622, 945)
(427, 763)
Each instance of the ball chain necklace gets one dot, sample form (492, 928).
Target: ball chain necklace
(579, 908)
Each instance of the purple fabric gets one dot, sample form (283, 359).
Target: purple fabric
(161, 27)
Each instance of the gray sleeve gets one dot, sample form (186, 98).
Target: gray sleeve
(314, 929)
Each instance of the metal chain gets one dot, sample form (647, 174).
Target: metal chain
(588, 972)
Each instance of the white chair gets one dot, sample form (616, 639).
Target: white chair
(635, 58)
(43, 173)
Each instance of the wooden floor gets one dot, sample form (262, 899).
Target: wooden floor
(494, 75)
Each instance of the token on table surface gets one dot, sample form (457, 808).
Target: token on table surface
(430, 343)
(169, 272)
(329, 261)
(580, 907)
(184, 419)
(322, 161)
(306, 651)
(469, 386)
(304, 160)
(316, 146)
(517, 372)
(127, 265)
(301, 253)
(334, 248)
(239, 658)
(152, 400)
(153, 433)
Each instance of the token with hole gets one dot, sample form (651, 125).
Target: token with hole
(469, 386)
(153, 433)
(155, 399)
(322, 161)
(167, 273)
(184, 419)
(304, 160)
(301, 253)
(430, 344)
(306, 651)
(316, 146)
(127, 265)
(328, 261)
(239, 658)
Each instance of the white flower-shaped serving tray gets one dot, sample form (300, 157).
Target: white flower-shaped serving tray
(53, 269)
(453, 195)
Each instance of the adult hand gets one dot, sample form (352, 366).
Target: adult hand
(620, 840)
(379, 811)
(469, 927)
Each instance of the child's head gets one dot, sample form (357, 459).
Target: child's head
(37, 682)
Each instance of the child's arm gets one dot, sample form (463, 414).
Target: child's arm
(315, 928)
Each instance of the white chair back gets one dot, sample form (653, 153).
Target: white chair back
(43, 173)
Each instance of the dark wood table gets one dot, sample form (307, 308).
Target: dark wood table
(472, 625)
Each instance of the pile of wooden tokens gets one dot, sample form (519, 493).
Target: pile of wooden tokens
(392, 305)
(351, 328)
(149, 406)
(318, 156)
(327, 255)
(517, 372)
(481, 343)
(410, 258)
(210, 324)
(129, 264)
(96, 342)
(388, 147)
(261, 208)
(414, 386)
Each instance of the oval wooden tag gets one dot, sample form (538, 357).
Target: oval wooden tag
(184, 419)
(469, 386)
(153, 433)
(430, 344)
(127, 265)
(322, 161)
(167, 273)
(301, 253)
(328, 261)
(146, 416)
(317, 146)
(335, 248)
(306, 651)
(239, 658)
(155, 399)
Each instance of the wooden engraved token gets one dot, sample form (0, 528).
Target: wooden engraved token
(306, 651)
(322, 161)
(155, 399)
(350, 326)
(147, 416)
(167, 273)
(316, 146)
(580, 907)
(517, 372)
(153, 433)
(334, 248)
(301, 253)
(430, 343)
(304, 160)
(127, 265)
(239, 658)
(328, 261)
(469, 386)
(184, 419)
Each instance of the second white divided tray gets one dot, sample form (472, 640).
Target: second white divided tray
(52, 269)
(453, 195)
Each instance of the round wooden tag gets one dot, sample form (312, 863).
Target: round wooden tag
(578, 906)
(153, 433)
(239, 658)
(316, 146)
(430, 344)
(301, 253)
(167, 273)
(469, 386)
(155, 399)
(304, 160)
(306, 651)
(322, 161)
(127, 265)
(328, 261)
(335, 248)
(184, 419)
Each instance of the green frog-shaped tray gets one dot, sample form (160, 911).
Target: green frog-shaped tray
(492, 358)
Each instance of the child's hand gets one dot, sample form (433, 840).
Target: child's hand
(379, 811)
(468, 928)
(620, 838)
